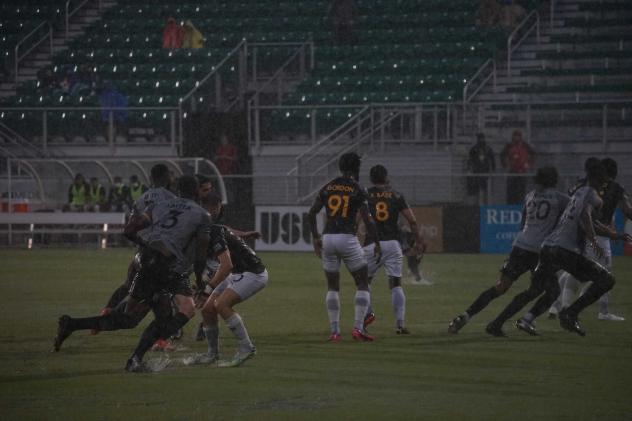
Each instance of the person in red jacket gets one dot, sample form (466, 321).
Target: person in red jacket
(517, 157)
(172, 34)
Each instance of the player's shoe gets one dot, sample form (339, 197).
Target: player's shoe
(368, 319)
(361, 336)
(334, 337)
(200, 336)
(527, 327)
(135, 365)
(104, 312)
(240, 357)
(402, 331)
(204, 358)
(457, 324)
(610, 317)
(495, 330)
(63, 332)
(163, 345)
(570, 323)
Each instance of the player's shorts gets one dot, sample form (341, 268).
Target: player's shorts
(244, 284)
(554, 258)
(519, 262)
(342, 247)
(392, 258)
(156, 276)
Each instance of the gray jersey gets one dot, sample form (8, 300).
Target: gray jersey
(176, 223)
(568, 233)
(151, 198)
(542, 209)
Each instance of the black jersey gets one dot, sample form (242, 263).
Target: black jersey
(342, 197)
(385, 205)
(243, 257)
(611, 192)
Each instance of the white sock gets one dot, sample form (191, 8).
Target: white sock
(569, 291)
(362, 302)
(332, 301)
(528, 317)
(604, 300)
(399, 305)
(236, 325)
(212, 337)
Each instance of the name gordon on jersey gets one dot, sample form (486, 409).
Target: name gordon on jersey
(340, 187)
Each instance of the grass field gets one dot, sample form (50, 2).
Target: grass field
(296, 374)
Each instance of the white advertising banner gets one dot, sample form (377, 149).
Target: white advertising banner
(284, 228)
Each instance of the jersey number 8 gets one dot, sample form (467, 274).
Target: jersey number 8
(381, 211)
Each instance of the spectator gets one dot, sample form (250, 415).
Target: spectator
(98, 201)
(112, 98)
(226, 156)
(136, 188)
(517, 157)
(511, 15)
(119, 198)
(480, 161)
(192, 37)
(488, 13)
(172, 35)
(343, 14)
(78, 194)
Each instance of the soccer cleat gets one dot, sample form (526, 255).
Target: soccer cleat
(495, 330)
(163, 345)
(334, 337)
(527, 327)
(104, 312)
(360, 336)
(239, 358)
(63, 332)
(457, 324)
(135, 365)
(402, 331)
(205, 358)
(368, 319)
(570, 323)
(200, 336)
(610, 317)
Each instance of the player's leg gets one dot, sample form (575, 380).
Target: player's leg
(393, 259)
(372, 268)
(331, 267)
(604, 300)
(551, 292)
(356, 263)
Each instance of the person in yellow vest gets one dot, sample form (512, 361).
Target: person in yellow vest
(98, 201)
(192, 37)
(136, 188)
(119, 198)
(78, 194)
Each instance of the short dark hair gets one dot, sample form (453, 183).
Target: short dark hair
(546, 176)
(611, 167)
(187, 186)
(202, 179)
(159, 173)
(378, 174)
(350, 163)
(211, 199)
(596, 172)
(590, 162)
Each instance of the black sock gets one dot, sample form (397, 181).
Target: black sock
(117, 296)
(591, 295)
(546, 300)
(159, 330)
(113, 321)
(482, 301)
(513, 307)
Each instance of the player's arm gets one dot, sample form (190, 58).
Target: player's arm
(245, 235)
(420, 243)
(223, 270)
(587, 225)
(606, 231)
(371, 228)
(313, 226)
(137, 222)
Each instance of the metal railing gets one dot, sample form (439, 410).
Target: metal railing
(520, 33)
(486, 72)
(18, 57)
(68, 13)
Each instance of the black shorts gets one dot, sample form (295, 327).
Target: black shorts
(519, 262)
(156, 276)
(555, 258)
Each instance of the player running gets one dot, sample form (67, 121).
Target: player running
(385, 205)
(178, 237)
(343, 199)
(541, 211)
(239, 275)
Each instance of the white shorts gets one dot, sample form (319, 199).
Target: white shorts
(345, 247)
(392, 258)
(606, 260)
(244, 284)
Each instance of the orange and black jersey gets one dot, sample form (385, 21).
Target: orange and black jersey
(385, 205)
(342, 198)
(243, 257)
(611, 192)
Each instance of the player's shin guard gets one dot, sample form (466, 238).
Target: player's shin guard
(362, 301)
(482, 301)
(236, 325)
(332, 301)
(398, 300)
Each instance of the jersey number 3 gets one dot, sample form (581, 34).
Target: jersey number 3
(172, 220)
(338, 205)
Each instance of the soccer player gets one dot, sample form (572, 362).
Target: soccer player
(385, 205)
(562, 250)
(178, 237)
(542, 208)
(239, 275)
(343, 199)
(613, 195)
